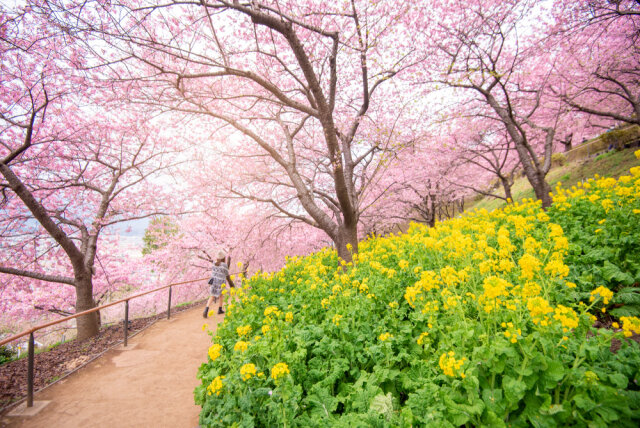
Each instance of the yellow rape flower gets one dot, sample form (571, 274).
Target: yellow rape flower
(279, 370)
(495, 287)
(241, 346)
(556, 267)
(271, 310)
(505, 265)
(529, 266)
(214, 351)
(630, 325)
(567, 317)
(555, 230)
(247, 371)
(538, 309)
(243, 330)
(385, 336)
(431, 306)
(450, 365)
(336, 319)
(215, 387)
(603, 292)
(421, 340)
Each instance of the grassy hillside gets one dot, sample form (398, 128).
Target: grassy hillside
(611, 164)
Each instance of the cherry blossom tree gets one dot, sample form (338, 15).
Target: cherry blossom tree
(255, 240)
(485, 150)
(599, 73)
(297, 83)
(493, 60)
(70, 168)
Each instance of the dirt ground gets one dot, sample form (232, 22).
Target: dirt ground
(148, 384)
(58, 362)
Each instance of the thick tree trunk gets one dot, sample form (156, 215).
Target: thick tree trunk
(88, 325)
(347, 234)
(542, 191)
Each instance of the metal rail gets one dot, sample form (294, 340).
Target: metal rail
(29, 332)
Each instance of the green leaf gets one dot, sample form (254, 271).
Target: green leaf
(493, 399)
(619, 380)
(609, 415)
(626, 311)
(491, 419)
(612, 273)
(598, 254)
(583, 402)
(628, 296)
(383, 405)
(514, 389)
(553, 374)
(552, 410)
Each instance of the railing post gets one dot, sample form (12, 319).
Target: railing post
(169, 306)
(30, 371)
(126, 321)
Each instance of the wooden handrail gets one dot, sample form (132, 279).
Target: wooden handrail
(88, 311)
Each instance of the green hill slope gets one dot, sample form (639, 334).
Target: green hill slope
(611, 164)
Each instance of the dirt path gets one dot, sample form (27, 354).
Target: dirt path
(148, 384)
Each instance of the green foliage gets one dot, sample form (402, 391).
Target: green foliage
(6, 354)
(619, 137)
(157, 234)
(484, 320)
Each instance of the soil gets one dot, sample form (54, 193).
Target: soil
(58, 362)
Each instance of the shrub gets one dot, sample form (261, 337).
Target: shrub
(558, 159)
(619, 137)
(6, 354)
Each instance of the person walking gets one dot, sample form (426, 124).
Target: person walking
(219, 275)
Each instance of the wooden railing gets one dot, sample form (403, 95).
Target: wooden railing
(30, 367)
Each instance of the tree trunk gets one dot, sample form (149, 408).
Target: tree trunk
(507, 188)
(88, 325)
(431, 221)
(542, 191)
(347, 234)
(567, 142)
